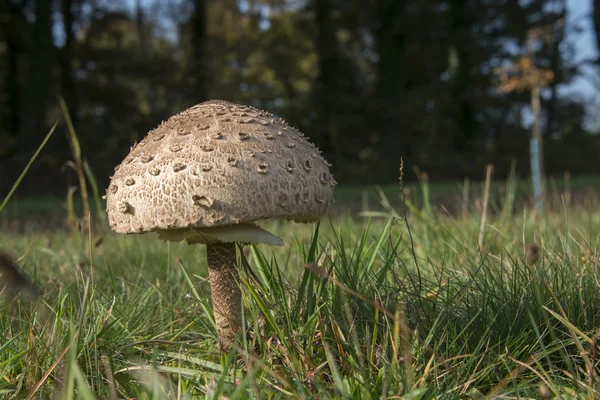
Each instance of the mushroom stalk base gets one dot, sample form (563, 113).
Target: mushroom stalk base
(225, 291)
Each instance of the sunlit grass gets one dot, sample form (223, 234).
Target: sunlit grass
(409, 301)
(388, 311)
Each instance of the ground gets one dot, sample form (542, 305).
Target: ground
(402, 302)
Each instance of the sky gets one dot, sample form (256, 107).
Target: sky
(584, 42)
(578, 12)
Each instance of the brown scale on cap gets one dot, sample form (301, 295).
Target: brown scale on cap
(204, 150)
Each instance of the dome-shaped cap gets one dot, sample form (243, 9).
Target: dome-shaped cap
(218, 164)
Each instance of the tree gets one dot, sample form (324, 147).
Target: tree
(36, 90)
(462, 67)
(326, 87)
(392, 83)
(11, 30)
(199, 55)
(66, 55)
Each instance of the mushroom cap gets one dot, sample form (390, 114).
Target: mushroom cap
(218, 164)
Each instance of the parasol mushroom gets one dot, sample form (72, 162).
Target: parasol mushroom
(206, 175)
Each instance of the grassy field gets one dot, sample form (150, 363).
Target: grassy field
(387, 305)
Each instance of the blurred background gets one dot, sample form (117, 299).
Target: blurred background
(449, 86)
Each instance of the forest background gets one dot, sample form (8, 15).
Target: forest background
(369, 81)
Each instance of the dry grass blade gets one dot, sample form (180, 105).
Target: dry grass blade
(486, 196)
(52, 368)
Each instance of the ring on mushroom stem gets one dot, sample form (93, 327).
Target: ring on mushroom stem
(226, 174)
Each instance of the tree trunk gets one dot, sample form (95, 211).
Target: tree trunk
(145, 55)
(391, 87)
(462, 81)
(13, 125)
(69, 89)
(12, 16)
(199, 64)
(537, 150)
(35, 94)
(326, 89)
(139, 19)
(556, 67)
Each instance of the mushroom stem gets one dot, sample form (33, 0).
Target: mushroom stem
(225, 291)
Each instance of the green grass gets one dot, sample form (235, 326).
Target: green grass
(404, 305)
(389, 313)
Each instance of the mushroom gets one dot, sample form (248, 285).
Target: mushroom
(206, 175)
